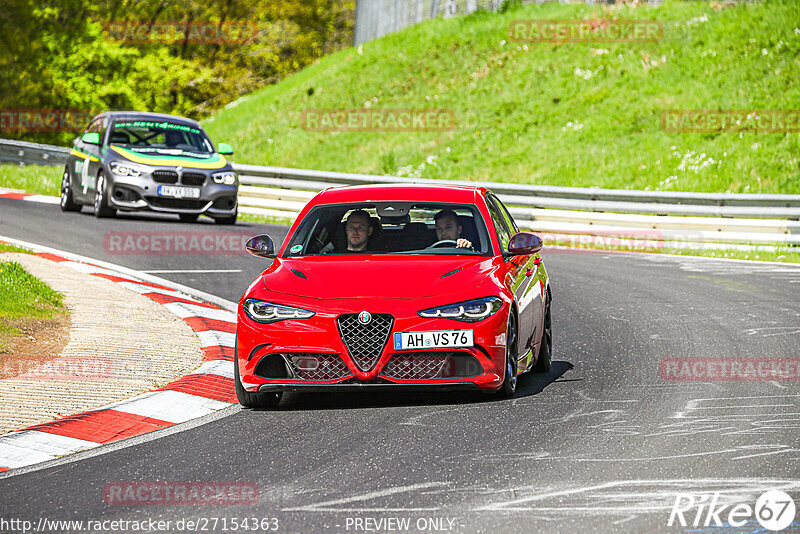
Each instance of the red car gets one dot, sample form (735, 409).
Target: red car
(395, 286)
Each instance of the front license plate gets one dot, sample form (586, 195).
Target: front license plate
(178, 192)
(440, 339)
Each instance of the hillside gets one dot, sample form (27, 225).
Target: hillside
(577, 114)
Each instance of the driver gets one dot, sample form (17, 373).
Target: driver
(173, 138)
(448, 228)
(358, 229)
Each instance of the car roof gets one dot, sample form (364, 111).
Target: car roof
(400, 192)
(148, 116)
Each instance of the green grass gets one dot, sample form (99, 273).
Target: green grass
(527, 114)
(34, 179)
(23, 298)
(6, 247)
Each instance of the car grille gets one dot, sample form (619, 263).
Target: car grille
(165, 177)
(431, 365)
(193, 178)
(365, 342)
(176, 203)
(318, 366)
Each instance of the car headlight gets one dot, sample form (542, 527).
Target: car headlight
(470, 311)
(267, 312)
(227, 178)
(123, 169)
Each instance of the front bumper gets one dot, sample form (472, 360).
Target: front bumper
(141, 194)
(286, 344)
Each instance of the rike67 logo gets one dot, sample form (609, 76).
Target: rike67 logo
(774, 510)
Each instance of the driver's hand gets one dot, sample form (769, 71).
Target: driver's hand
(463, 243)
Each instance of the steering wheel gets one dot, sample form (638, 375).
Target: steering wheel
(443, 243)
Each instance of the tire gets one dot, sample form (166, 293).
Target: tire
(67, 202)
(252, 400)
(101, 207)
(227, 220)
(188, 217)
(546, 347)
(509, 385)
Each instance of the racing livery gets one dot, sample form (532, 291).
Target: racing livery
(132, 161)
(443, 291)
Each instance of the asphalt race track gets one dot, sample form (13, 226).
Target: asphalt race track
(602, 442)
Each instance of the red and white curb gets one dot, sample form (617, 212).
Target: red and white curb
(207, 389)
(21, 195)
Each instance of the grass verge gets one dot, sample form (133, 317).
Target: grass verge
(24, 298)
(572, 114)
(33, 179)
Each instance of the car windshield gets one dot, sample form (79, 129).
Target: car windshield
(160, 137)
(391, 228)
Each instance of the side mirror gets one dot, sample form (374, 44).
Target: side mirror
(261, 246)
(93, 138)
(225, 149)
(524, 243)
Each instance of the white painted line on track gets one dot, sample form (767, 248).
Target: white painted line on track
(326, 506)
(190, 271)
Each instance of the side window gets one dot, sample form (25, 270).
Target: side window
(503, 234)
(507, 218)
(95, 126)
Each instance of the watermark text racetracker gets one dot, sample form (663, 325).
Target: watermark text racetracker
(585, 31)
(730, 120)
(378, 120)
(44, 120)
(193, 493)
(729, 369)
(189, 243)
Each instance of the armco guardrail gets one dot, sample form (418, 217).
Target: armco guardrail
(32, 153)
(679, 219)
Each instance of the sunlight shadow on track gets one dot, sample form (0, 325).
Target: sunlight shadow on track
(528, 385)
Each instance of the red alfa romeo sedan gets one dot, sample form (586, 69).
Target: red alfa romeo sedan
(395, 286)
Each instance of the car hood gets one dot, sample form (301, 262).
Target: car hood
(406, 277)
(164, 157)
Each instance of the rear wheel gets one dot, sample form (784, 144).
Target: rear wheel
(101, 207)
(546, 347)
(509, 386)
(252, 400)
(67, 202)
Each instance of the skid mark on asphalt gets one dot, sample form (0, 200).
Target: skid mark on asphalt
(635, 497)
(336, 505)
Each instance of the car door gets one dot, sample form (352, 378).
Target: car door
(526, 290)
(87, 161)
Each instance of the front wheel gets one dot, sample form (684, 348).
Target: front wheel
(252, 400)
(226, 220)
(67, 201)
(101, 207)
(546, 347)
(509, 386)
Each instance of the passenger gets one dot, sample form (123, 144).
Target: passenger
(448, 228)
(358, 229)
